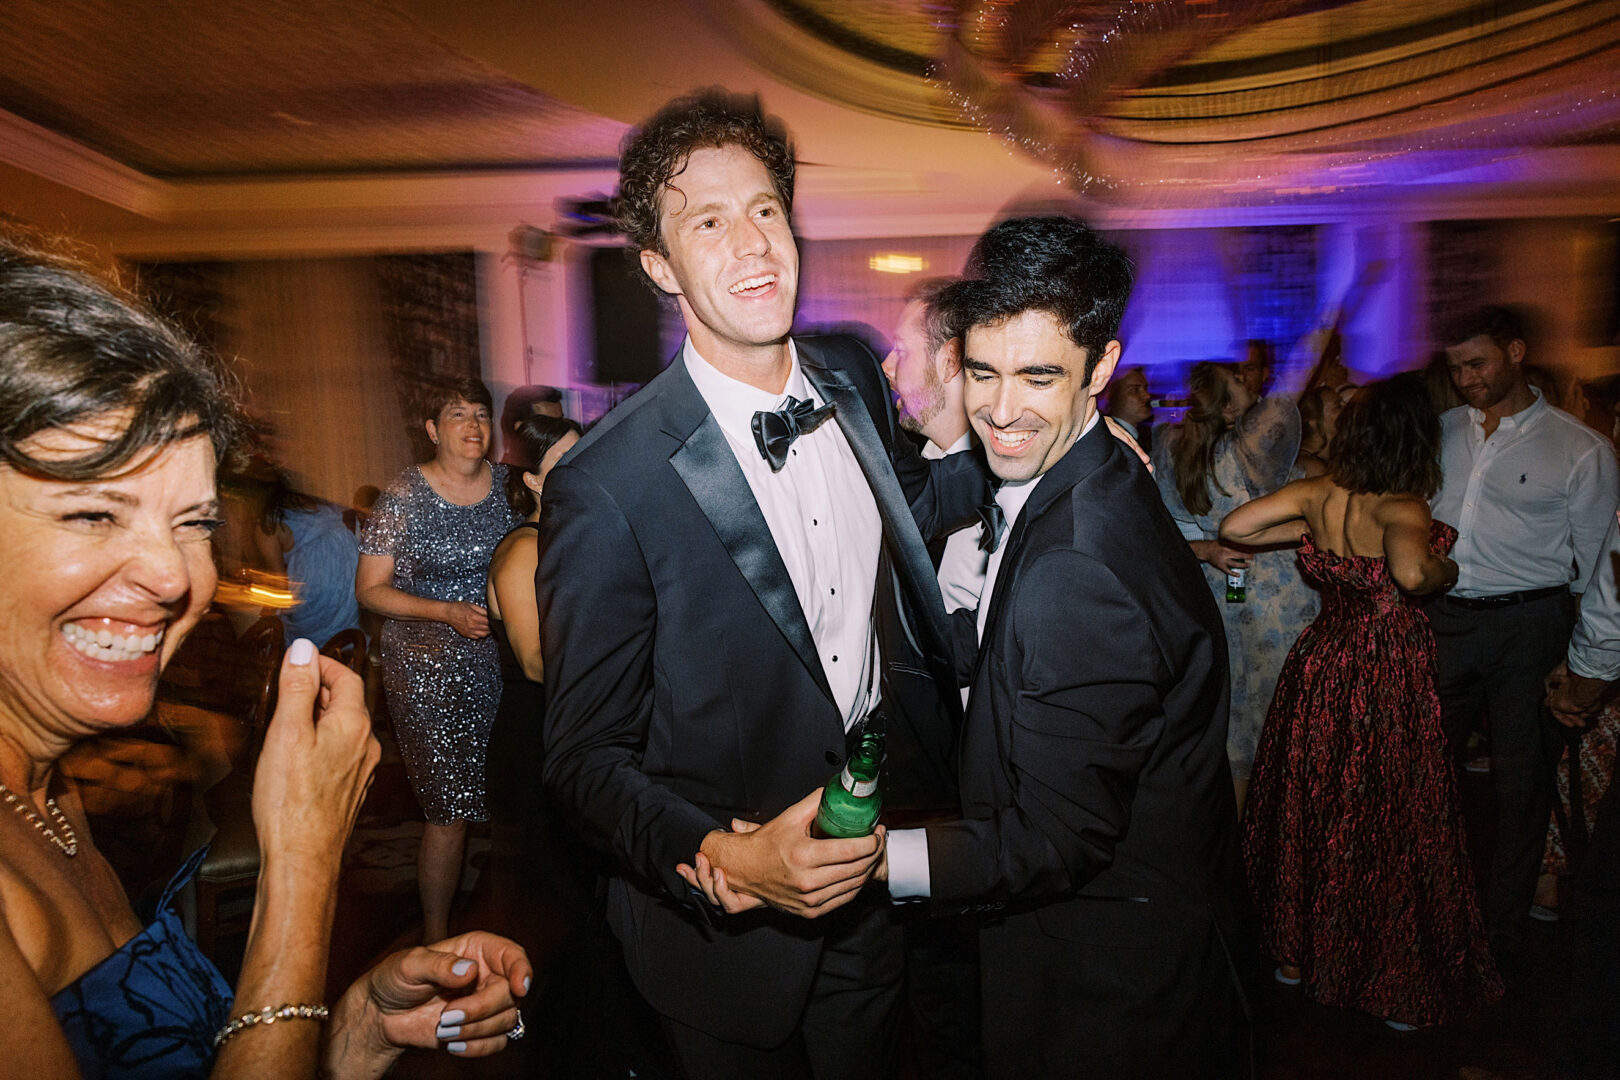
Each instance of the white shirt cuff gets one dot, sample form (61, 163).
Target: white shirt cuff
(1589, 662)
(908, 864)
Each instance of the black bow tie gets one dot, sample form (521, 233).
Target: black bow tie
(774, 432)
(992, 523)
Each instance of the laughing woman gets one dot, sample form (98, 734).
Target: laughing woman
(111, 426)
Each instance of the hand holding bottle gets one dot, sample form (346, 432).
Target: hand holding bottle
(780, 864)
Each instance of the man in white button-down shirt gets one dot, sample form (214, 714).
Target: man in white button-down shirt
(1532, 492)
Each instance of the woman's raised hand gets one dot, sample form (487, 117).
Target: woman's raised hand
(317, 759)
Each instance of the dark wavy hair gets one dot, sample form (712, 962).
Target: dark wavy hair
(75, 348)
(1057, 265)
(655, 153)
(532, 438)
(1194, 437)
(1388, 440)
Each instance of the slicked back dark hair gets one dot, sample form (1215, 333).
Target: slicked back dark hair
(1388, 439)
(655, 153)
(76, 349)
(533, 438)
(1501, 324)
(1059, 265)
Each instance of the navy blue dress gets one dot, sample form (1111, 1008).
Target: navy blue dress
(150, 1010)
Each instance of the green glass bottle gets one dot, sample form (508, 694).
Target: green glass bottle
(1235, 580)
(853, 799)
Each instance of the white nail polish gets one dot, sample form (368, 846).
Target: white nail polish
(301, 652)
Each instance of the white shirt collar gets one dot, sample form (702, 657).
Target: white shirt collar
(733, 402)
(1523, 418)
(932, 452)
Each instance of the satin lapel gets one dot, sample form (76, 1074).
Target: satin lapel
(909, 553)
(709, 469)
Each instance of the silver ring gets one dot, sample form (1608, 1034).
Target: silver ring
(517, 1030)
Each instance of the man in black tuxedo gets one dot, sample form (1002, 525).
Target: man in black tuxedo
(717, 557)
(1100, 833)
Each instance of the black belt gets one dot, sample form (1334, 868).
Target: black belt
(1501, 600)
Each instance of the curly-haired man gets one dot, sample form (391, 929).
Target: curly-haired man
(734, 577)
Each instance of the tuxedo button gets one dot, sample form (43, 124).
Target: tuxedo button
(833, 758)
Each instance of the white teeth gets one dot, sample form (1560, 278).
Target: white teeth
(1014, 438)
(103, 644)
(753, 283)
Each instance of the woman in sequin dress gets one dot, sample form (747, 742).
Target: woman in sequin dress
(1228, 449)
(1353, 840)
(423, 560)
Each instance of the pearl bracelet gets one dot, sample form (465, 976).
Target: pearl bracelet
(269, 1015)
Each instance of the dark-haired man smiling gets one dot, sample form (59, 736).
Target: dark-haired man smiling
(1100, 832)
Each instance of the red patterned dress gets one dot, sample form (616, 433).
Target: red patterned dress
(1352, 839)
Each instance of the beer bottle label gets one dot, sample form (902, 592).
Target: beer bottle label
(858, 788)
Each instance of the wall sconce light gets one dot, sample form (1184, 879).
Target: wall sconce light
(892, 263)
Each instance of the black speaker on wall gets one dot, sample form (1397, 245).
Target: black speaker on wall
(624, 313)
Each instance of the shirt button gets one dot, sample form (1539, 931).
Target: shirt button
(833, 591)
(835, 660)
(814, 521)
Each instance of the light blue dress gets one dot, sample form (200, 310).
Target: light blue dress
(1255, 458)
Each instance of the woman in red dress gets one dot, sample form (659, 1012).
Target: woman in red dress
(1353, 841)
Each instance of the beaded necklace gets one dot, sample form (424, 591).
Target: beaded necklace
(69, 845)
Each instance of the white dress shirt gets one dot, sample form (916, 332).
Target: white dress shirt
(908, 848)
(961, 566)
(1531, 504)
(823, 520)
(1594, 647)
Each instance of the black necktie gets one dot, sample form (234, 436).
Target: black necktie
(774, 432)
(992, 523)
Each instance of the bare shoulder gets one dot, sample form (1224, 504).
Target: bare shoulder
(1401, 510)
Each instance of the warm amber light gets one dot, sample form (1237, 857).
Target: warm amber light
(892, 263)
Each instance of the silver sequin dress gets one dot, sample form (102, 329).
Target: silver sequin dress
(443, 689)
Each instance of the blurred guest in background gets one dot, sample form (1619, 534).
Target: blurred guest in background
(111, 428)
(360, 503)
(1257, 368)
(533, 399)
(1586, 1042)
(924, 369)
(514, 617)
(1227, 450)
(305, 540)
(1353, 840)
(1127, 402)
(1319, 409)
(424, 559)
(1532, 491)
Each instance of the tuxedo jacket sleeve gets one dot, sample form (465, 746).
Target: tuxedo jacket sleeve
(603, 608)
(1082, 727)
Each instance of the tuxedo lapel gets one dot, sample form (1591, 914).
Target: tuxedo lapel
(706, 465)
(908, 552)
(1081, 461)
